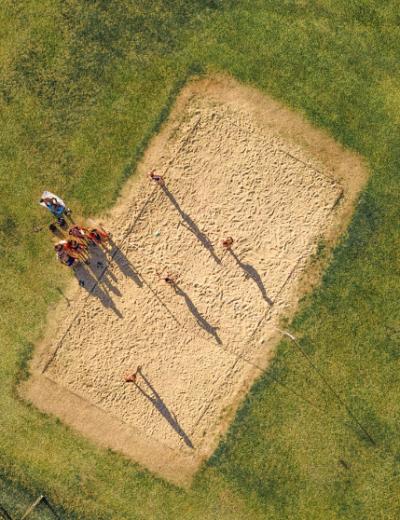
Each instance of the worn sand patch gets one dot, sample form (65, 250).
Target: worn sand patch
(230, 170)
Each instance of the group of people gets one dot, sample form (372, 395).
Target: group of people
(74, 247)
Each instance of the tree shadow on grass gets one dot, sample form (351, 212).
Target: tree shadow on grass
(159, 404)
(251, 272)
(192, 226)
(203, 323)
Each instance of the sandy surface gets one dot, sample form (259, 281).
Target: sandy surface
(228, 173)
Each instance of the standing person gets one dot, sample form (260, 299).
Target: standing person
(156, 178)
(80, 232)
(62, 223)
(168, 278)
(54, 204)
(98, 236)
(63, 256)
(76, 249)
(130, 377)
(72, 248)
(227, 243)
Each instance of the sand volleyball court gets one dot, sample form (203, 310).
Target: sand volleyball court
(235, 164)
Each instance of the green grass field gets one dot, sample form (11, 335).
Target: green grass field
(83, 86)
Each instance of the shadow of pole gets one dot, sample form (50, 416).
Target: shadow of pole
(159, 404)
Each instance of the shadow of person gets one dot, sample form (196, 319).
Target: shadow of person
(203, 323)
(109, 286)
(56, 231)
(68, 216)
(124, 265)
(159, 404)
(92, 285)
(252, 273)
(98, 265)
(192, 226)
(97, 261)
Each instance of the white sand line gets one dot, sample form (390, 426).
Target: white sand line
(243, 130)
(98, 279)
(130, 230)
(138, 431)
(301, 259)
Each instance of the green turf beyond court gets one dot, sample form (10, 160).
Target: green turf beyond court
(83, 86)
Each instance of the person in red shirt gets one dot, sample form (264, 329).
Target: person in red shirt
(156, 178)
(130, 377)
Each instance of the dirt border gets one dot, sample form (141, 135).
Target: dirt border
(345, 166)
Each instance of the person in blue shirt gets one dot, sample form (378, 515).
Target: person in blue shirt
(54, 204)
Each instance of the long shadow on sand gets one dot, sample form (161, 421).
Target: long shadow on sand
(98, 280)
(98, 266)
(97, 287)
(129, 270)
(252, 273)
(125, 266)
(192, 226)
(202, 322)
(159, 404)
